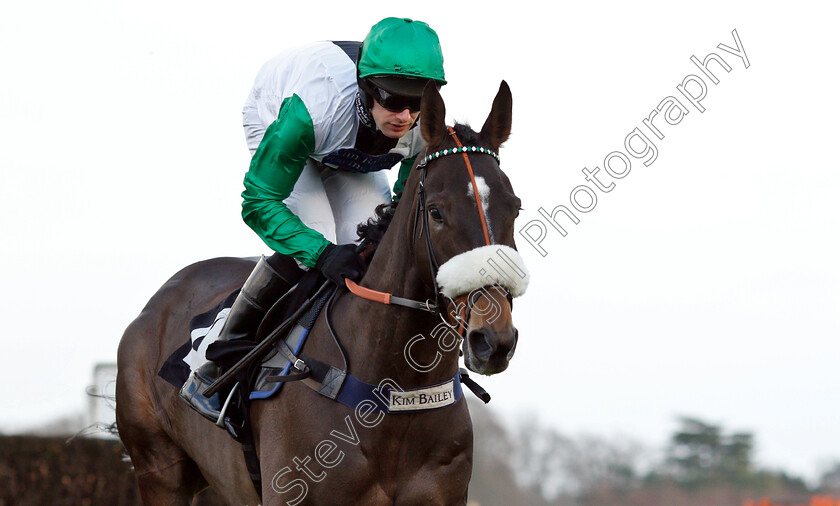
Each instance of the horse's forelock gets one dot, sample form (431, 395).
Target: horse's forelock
(467, 135)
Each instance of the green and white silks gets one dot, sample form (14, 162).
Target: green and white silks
(300, 109)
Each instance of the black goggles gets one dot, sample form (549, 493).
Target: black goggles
(395, 103)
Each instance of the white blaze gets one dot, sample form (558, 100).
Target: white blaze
(484, 194)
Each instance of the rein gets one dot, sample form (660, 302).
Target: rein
(387, 298)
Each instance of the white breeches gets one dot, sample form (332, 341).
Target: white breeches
(334, 202)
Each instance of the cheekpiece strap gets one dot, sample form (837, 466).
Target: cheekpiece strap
(454, 151)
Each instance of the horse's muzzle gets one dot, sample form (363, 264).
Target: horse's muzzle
(488, 351)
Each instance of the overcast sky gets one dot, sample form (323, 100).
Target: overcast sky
(705, 283)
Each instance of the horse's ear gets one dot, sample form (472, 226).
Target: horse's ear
(432, 116)
(496, 129)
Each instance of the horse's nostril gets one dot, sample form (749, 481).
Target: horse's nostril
(515, 340)
(506, 343)
(480, 345)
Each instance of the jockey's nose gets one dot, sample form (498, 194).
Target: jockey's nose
(404, 115)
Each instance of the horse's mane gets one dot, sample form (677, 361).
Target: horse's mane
(372, 231)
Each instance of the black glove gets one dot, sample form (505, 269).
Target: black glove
(339, 262)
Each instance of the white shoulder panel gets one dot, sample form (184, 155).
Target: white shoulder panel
(324, 78)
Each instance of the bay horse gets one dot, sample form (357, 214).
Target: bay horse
(314, 450)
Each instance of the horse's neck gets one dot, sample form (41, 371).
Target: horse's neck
(383, 333)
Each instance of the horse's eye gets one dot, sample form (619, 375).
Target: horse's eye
(435, 214)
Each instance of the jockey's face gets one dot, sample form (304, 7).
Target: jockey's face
(393, 124)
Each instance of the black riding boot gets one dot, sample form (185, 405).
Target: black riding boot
(264, 286)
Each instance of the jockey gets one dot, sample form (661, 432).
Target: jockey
(321, 122)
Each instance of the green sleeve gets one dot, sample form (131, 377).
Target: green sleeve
(405, 170)
(275, 168)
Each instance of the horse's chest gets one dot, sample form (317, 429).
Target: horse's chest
(373, 480)
(379, 466)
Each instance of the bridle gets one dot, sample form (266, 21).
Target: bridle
(434, 305)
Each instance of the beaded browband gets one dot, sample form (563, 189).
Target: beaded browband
(452, 151)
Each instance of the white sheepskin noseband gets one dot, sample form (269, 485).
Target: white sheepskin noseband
(479, 267)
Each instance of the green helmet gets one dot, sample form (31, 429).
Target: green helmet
(401, 47)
